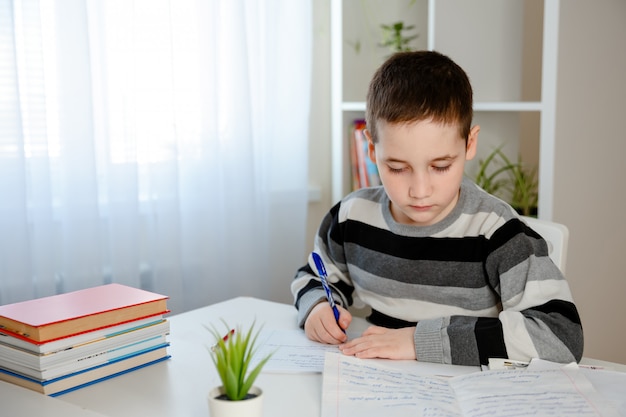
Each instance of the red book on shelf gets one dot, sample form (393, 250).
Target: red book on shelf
(360, 145)
(364, 171)
(64, 315)
(354, 154)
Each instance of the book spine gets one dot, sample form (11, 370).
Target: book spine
(361, 146)
(29, 339)
(354, 160)
(364, 170)
(125, 371)
(358, 146)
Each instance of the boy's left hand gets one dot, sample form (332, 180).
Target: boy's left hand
(380, 342)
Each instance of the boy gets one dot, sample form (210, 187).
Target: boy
(451, 273)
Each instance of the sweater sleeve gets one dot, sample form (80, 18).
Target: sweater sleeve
(538, 317)
(306, 286)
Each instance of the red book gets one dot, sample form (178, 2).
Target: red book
(49, 318)
(360, 146)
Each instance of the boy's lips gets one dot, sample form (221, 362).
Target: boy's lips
(420, 208)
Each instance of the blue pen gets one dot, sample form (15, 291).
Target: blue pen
(321, 270)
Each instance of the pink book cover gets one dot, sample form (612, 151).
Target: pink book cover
(59, 308)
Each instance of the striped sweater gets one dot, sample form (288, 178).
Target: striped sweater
(476, 285)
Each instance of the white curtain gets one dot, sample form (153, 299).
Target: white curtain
(155, 143)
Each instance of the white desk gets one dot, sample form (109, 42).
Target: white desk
(178, 387)
(20, 402)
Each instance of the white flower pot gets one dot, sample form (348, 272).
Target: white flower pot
(252, 407)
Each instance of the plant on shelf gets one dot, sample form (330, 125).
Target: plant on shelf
(395, 37)
(514, 182)
(233, 356)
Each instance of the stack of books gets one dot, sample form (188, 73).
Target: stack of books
(364, 170)
(61, 343)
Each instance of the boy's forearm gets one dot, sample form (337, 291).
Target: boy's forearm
(463, 340)
(459, 340)
(431, 341)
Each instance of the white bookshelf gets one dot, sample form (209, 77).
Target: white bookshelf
(345, 109)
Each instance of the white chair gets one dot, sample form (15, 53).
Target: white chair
(556, 235)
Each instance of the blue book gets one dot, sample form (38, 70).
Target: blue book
(76, 380)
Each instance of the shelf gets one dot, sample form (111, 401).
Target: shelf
(353, 106)
(509, 106)
(443, 19)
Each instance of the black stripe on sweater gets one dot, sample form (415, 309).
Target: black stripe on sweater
(345, 289)
(380, 319)
(564, 308)
(489, 339)
(465, 249)
(569, 332)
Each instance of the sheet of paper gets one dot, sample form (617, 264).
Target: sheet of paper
(561, 392)
(354, 387)
(610, 384)
(367, 388)
(292, 352)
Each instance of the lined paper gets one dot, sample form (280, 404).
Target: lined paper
(369, 388)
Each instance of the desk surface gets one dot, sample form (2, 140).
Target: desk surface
(179, 386)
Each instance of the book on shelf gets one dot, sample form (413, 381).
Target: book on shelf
(50, 318)
(80, 379)
(364, 171)
(354, 159)
(52, 365)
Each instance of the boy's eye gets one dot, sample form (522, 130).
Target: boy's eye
(441, 168)
(396, 170)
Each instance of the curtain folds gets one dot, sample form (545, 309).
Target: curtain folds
(159, 144)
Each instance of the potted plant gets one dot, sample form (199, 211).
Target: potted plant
(515, 182)
(232, 355)
(396, 38)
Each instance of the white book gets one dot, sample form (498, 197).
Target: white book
(84, 361)
(77, 340)
(95, 374)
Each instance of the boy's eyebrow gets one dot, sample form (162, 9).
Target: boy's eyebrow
(437, 159)
(395, 160)
(445, 157)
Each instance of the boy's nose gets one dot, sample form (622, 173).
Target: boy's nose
(421, 186)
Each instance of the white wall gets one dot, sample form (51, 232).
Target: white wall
(319, 133)
(590, 168)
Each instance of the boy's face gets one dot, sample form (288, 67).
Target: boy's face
(421, 166)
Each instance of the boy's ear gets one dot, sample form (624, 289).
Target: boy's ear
(371, 149)
(472, 143)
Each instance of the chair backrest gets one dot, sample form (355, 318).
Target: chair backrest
(556, 235)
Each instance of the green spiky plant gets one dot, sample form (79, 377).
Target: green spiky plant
(233, 358)
(492, 180)
(514, 182)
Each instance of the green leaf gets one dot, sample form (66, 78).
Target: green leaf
(232, 360)
(514, 182)
(253, 375)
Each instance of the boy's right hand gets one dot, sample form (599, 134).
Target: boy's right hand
(320, 325)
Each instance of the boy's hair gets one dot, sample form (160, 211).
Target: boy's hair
(417, 86)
